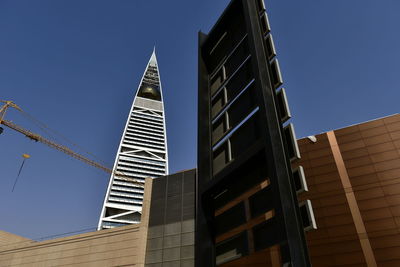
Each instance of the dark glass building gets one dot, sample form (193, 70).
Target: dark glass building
(246, 196)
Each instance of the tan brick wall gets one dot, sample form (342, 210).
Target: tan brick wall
(7, 238)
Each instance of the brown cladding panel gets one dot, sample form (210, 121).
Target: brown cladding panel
(374, 179)
(348, 138)
(393, 127)
(327, 177)
(321, 161)
(352, 146)
(378, 131)
(371, 193)
(389, 174)
(388, 165)
(377, 225)
(358, 171)
(395, 135)
(331, 210)
(369, 157)
(322, 143)
(378, 139)
(388, 253)
(358, 162)
(380, 148)
(354, 153)
(392, 119)
(328, 187)
(370, 124)
(315, 154)
(345, 131)
(362, 180)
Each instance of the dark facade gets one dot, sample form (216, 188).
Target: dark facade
(170, 240)
(246, 200)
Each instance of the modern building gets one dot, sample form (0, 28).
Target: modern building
(142, 153)
(246, 202)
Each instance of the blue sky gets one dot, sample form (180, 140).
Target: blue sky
(75, 65)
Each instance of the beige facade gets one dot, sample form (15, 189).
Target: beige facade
(8, 239)
(123, 246)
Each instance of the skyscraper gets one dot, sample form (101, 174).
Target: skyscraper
(142, 152)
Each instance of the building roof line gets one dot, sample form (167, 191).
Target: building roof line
(354, 124)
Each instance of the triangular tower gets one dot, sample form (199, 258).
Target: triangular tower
(142, 152)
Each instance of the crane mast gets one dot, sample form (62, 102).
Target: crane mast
(64, 149)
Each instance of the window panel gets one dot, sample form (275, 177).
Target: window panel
(239, 80)
(219, 129)
(266, 234)
(261, 202)
(237, 57)
(216, 81)
(230, 219)
(217, 103)
(240, 108)
(232, 249)
(244, 137)
(220, 157)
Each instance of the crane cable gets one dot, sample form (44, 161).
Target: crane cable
(25, 156)
(54, 134)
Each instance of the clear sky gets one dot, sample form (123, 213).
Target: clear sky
(75, 65)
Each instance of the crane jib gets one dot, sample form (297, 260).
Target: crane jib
(64, 149)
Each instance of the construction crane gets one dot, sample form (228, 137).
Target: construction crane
(64, 149)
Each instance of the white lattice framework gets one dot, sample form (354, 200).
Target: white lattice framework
(142, 152)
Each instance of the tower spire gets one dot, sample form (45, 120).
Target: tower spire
(153, 58)
(142, 152)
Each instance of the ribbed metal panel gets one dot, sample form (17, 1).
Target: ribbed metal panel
(171, 221)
